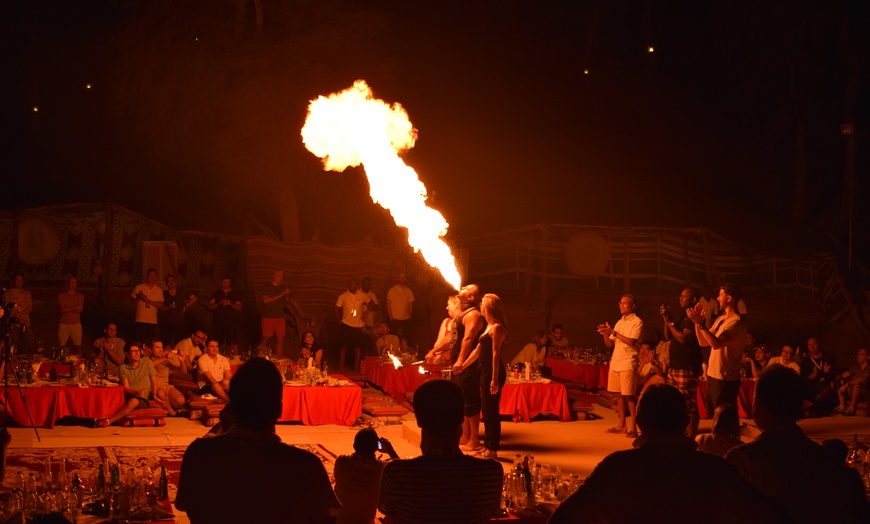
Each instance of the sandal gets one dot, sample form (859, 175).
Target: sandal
(101, 423)
(615, 430)
(849, 412)
(631, 434)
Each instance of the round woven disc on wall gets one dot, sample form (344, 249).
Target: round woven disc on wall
(586, 255)
(38, 243)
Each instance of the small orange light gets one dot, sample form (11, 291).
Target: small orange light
(585, 71)
(88, 86)
(35, 109)
(651, 49)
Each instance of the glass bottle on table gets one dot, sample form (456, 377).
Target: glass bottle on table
(100, 484)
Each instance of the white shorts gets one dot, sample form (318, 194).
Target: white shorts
(622, 382)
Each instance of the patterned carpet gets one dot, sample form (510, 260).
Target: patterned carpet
(86, 461)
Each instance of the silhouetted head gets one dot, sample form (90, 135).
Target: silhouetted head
(438, 405)
(255, 394)
(778, 396)
(366, 441)
(662, 409)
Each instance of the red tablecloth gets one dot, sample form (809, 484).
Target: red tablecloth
(397, 381)
(744, 399)
(593, 376)
(523, 401)
(316, 405)
(50, 403)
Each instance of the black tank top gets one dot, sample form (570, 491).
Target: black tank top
(460, 332)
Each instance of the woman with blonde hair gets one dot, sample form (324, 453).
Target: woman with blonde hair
(492, 371)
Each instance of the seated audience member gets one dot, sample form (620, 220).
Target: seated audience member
(785, 359)
(214, 372)
(269, 481)
(358, 478)
(109, 348)
(139, 380)
(310, 349)
(557, 341)
(789, 467)
(534, 352)
(852, 385)
(443, 485)
(819, 369)
(164, 363)
(386, 341)
(189, 350)
(726, 432)
(649, 370)
(758, 361)
(665, 462)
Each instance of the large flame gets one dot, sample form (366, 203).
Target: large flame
(396, 362)
(352, 127)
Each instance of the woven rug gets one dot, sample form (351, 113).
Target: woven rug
(86, 461)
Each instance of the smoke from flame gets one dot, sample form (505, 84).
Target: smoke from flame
(352, 127)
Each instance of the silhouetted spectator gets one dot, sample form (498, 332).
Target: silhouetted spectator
(443, 485)
(268, 481)
(629, 486)
(790, 468)
(358, 477)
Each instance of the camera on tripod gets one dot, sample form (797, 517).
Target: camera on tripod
(6, 313)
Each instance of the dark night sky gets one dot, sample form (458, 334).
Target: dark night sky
(193, 116)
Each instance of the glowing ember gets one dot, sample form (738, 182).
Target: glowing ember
(396, 362)
(352, 127)
(421, 370)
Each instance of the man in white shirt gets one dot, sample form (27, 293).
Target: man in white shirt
(148, 298)
(400, 308)
(727, 341)
(349, 309)
(622, 377)
(214, 372)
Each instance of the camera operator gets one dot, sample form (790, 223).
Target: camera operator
(358, 477)
(19, 304)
